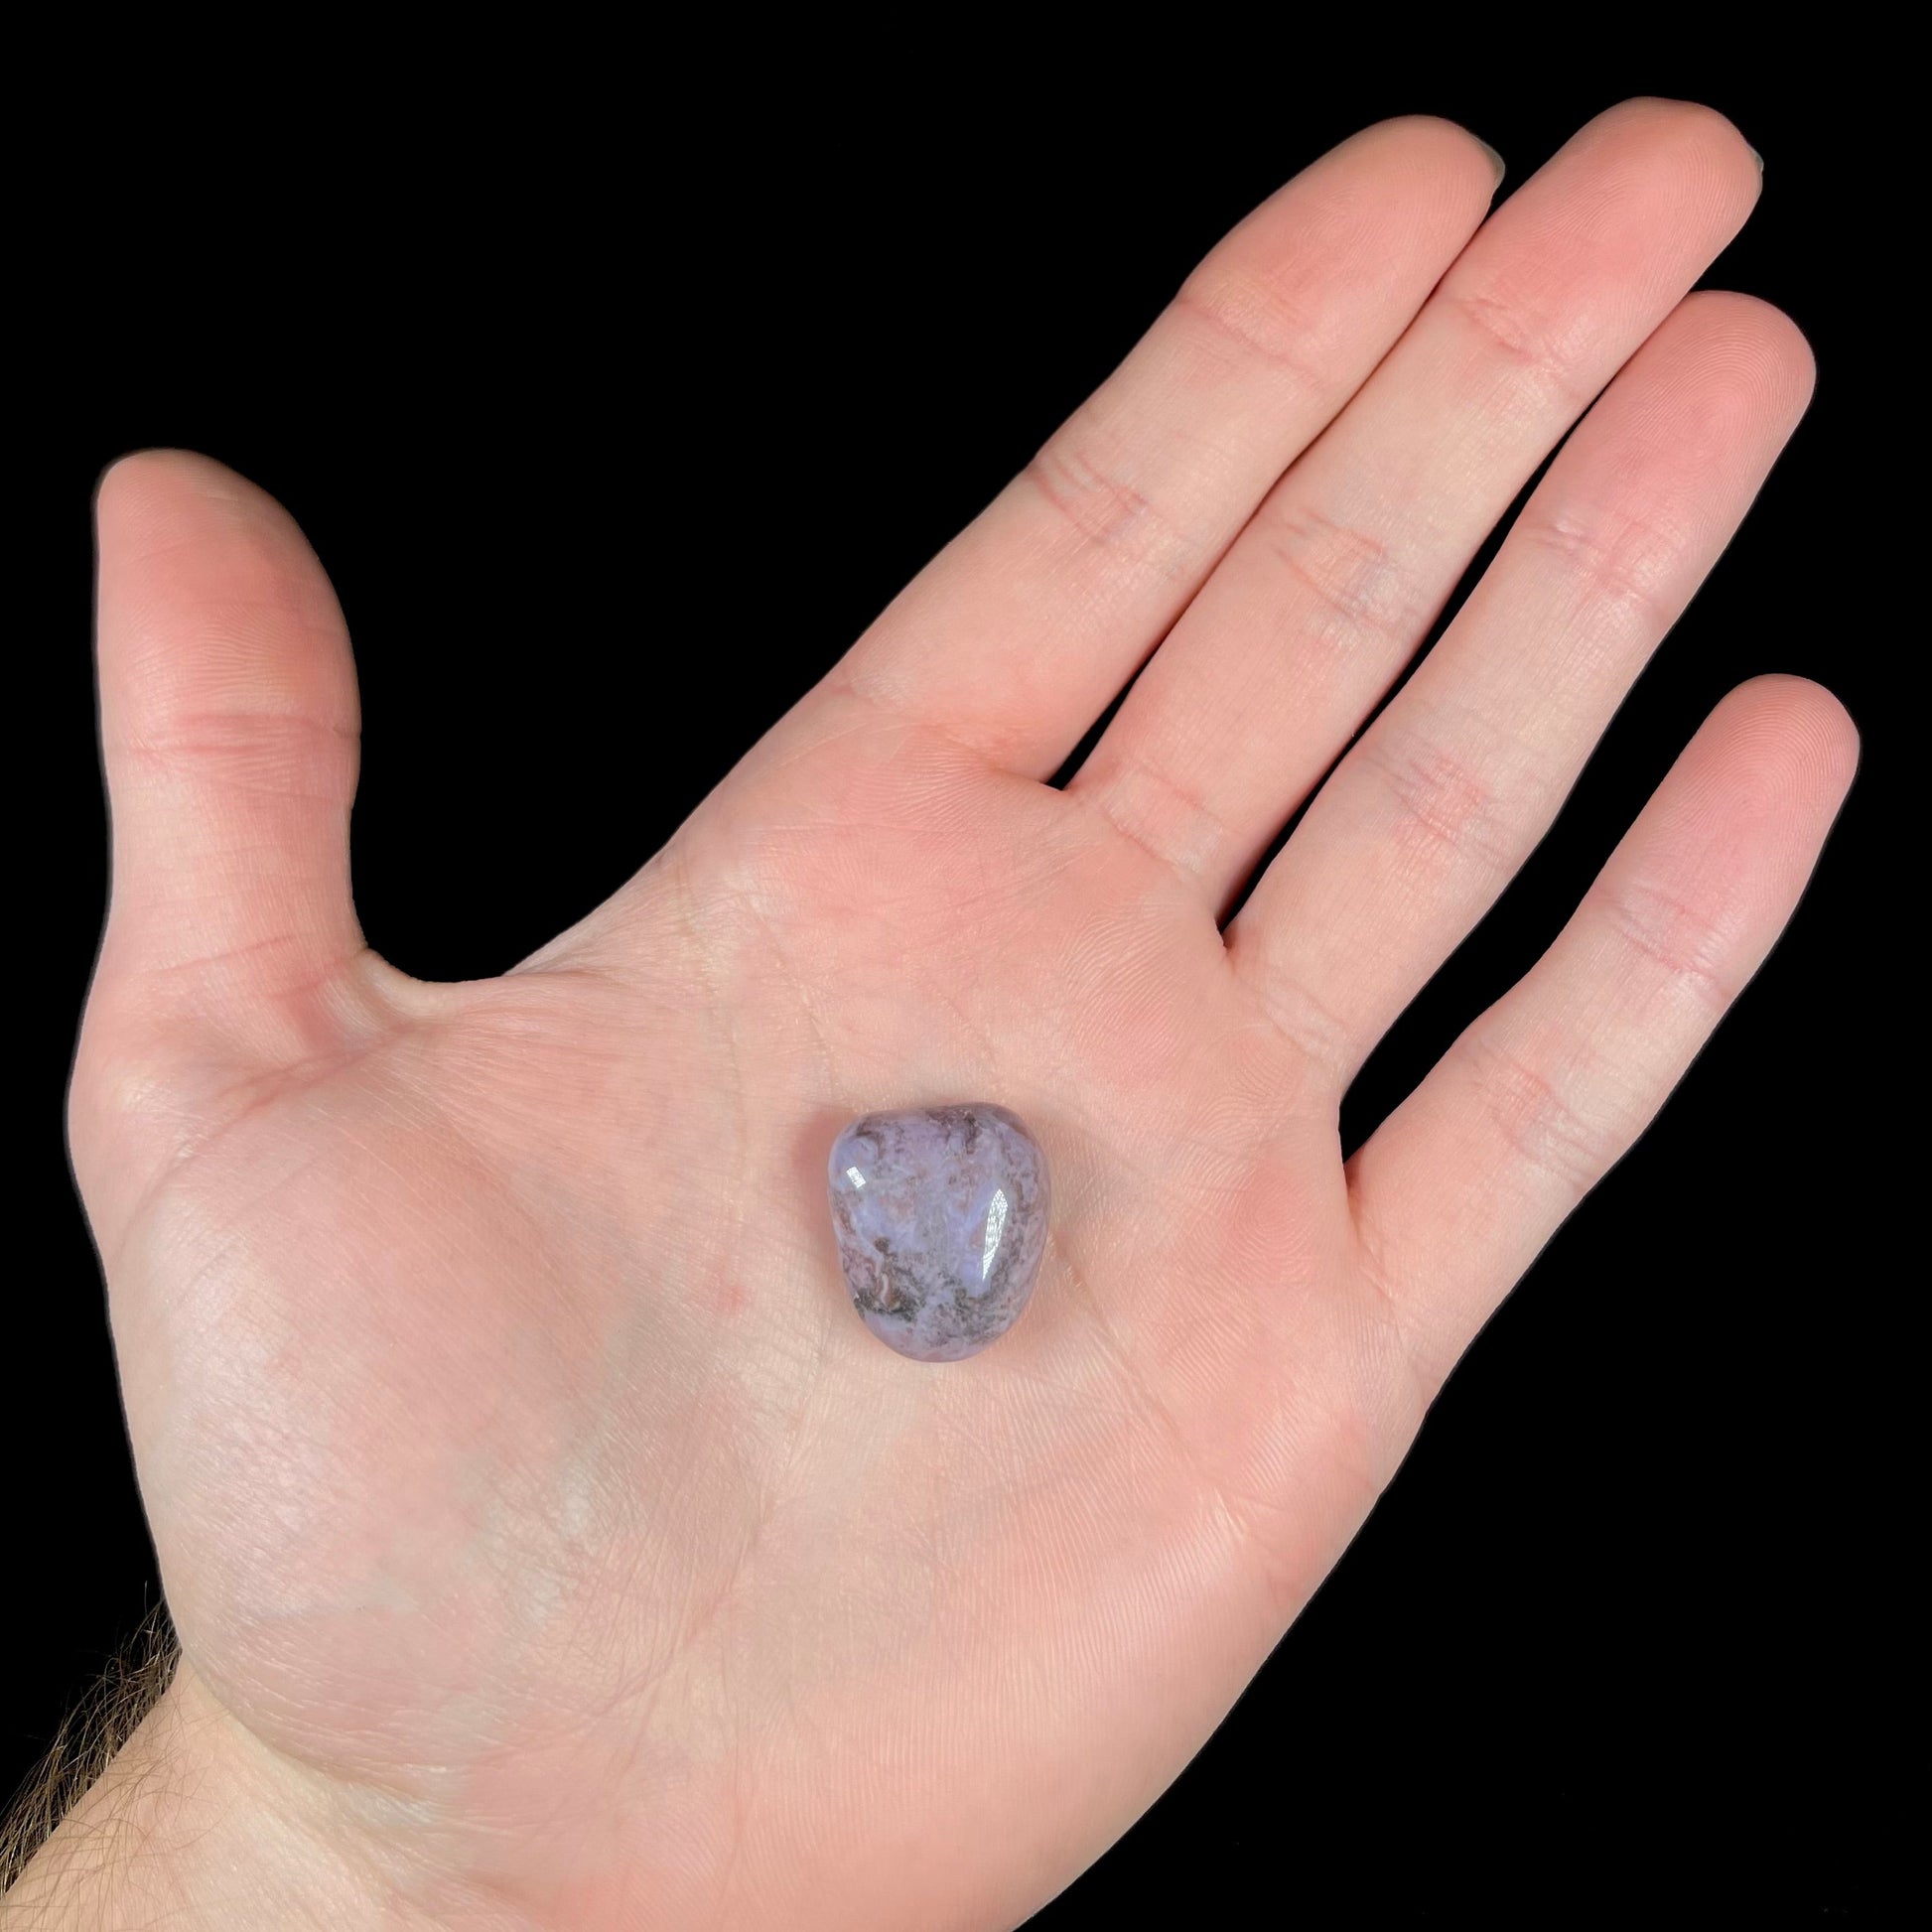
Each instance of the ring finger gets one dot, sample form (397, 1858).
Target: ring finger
(1446, 793)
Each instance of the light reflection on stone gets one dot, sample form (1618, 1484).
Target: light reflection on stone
(940, 1215)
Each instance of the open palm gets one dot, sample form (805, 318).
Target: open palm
(525, 1487)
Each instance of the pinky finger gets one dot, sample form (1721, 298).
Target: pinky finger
(1465, 1181)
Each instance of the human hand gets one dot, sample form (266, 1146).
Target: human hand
(543, 1531)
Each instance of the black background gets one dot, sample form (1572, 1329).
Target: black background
(612, 447)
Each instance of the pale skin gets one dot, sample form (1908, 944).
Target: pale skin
(550, 1545)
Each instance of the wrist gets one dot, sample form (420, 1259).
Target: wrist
(197, 1821)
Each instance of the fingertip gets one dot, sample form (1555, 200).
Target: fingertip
(125, 472)
(1450, 141)
(1778, 754)
(1809, 718)
(177, 506)
(136, 467)
(1682, 135)
(142, 478)
(1755, 335)
(1691, 121)
(1443, 173)
(208, 596)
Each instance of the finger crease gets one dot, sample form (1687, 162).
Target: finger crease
(1672, 934)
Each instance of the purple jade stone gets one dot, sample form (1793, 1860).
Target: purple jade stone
(940, 1214)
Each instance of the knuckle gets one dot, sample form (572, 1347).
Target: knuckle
(1101, 508)
(1408, 1355)
(1684, 942)
(1248, 318)
(1521, 336)
(1621, 562)
(1313, 1028)
(1529, 1107)
(270, 753)
(1356, 585)
(1442, 807)
(1169, 819)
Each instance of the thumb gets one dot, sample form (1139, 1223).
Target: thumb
(229, 733)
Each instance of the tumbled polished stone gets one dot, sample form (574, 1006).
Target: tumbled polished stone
(940, 1214)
